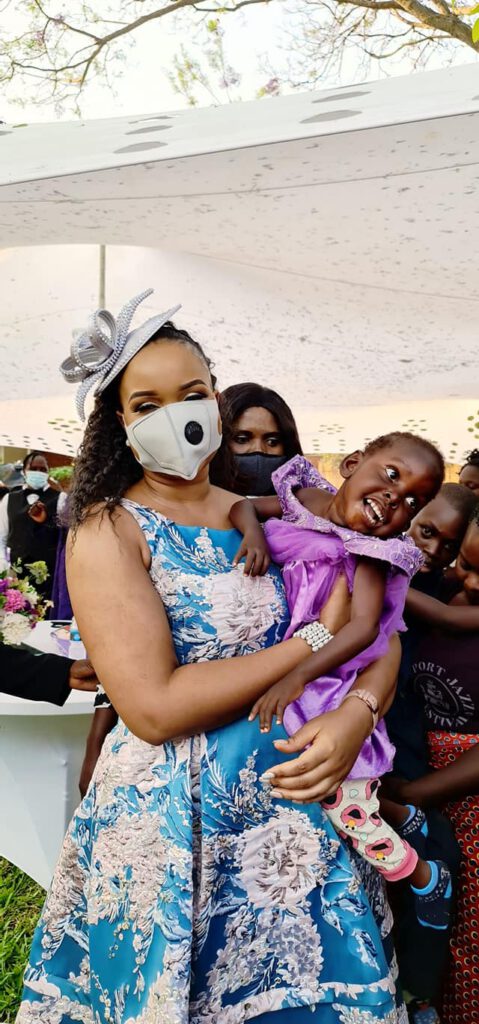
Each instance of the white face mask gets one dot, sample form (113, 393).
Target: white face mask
(177, 438)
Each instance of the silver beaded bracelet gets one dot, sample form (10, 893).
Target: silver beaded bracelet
(315, 634)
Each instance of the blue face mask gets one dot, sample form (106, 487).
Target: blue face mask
(36, 479)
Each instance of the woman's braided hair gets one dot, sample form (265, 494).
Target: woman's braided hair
(105, 467)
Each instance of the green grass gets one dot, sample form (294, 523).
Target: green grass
(21, 900)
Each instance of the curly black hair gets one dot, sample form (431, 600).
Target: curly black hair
(399, 437)
(106, 467)
(460, 498)
(472, 459)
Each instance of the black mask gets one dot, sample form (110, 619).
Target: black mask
(255, 470)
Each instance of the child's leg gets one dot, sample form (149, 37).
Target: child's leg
(410, 822)
(354, 812)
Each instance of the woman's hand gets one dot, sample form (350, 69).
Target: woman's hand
(335, 740)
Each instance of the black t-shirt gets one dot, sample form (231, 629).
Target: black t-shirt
(405, 720)
(445, 677)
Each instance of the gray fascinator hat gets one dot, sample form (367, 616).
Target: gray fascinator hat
(101, 351)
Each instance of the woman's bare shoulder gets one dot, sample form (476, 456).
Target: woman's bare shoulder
(227, 498)
(105, 529)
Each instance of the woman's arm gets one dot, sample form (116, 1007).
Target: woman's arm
(335, 738)
(453, 782)
(456, 617)
(125, 630)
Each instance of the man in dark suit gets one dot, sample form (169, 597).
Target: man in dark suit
(34, 676)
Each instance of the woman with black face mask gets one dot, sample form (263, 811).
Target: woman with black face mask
(259, 435)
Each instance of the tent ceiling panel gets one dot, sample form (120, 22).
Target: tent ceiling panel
(329, 240)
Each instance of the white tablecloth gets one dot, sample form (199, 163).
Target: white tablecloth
(41, 752)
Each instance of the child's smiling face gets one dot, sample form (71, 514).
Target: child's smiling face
(386, 488)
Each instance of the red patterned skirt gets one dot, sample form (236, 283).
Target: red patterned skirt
(461, 991)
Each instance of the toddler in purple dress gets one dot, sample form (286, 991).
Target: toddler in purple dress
(356, 532)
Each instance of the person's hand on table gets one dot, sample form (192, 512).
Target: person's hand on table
(335, 740)
(82, 676)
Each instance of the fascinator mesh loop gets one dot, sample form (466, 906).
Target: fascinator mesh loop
(95, 351)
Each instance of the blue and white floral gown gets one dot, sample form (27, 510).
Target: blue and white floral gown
(184, 893)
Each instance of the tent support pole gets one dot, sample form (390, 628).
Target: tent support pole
(101, 277)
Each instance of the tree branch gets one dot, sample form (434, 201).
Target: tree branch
(450, 24)
(324, 33)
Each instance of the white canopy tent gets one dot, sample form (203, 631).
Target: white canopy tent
(323, 243)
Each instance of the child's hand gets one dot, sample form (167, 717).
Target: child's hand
(275, 700)
(254, 550)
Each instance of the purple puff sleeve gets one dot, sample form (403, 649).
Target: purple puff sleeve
(296, 473)
(400, 553)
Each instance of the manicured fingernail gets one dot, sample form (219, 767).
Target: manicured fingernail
(276, 793)
(250, 718)
(278, 721)
(266, 777)
(265, 728)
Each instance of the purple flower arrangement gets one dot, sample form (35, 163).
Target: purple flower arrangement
(20, 605)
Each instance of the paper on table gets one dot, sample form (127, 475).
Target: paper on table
(54, 638)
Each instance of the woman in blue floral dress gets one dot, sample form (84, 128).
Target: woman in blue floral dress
(186, 893)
